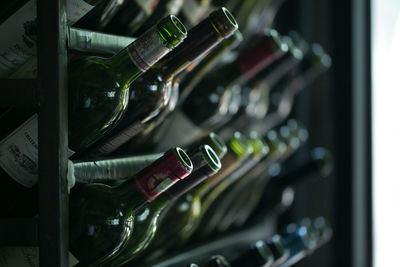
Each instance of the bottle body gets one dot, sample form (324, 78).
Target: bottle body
(98, 91)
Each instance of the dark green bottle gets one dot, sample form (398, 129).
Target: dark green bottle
(205, 164)
(102, 218)
(187, 220)
(150, 94)
(217, 98)
(99, 88)
(98, 96)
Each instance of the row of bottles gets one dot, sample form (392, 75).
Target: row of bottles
(294, 243)
(205, 109)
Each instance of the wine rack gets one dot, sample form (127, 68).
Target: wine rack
(47, 93)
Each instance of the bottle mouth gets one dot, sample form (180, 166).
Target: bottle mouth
(224, 22)
(240, 145)
(179, 25)
(184, 159)
(218, 144)
(260, 147)
(211, 157)
(172, 30)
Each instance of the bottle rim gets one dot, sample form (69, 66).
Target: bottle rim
(223, 22)
(183, 158)
(172, 30)
(211, 157)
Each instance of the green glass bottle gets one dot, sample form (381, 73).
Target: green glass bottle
(100, 92)
(98, 96)
(292, 136)
(187, 220)
(150, 137)
(19, 25)
(228, 190)
(207, 64)
(102, 217)
(150, 94)
(205, 164)
(217, 98)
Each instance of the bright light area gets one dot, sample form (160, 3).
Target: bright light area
(386, 131)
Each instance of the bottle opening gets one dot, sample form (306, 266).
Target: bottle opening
(184, 158)
(179, 24)
(229, 16)
(212, 157)
(217, 140)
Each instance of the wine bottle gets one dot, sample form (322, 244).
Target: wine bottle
(149, 138)
(259, 181)
(279, 250)
(207, 64)
(130, 16)
(219, 200)
(102, 217)
(314, 63)
(20, 28)
(98, 92)
(258, 255)
(214, 101)
(185, 213)
(205, 164)
(150, 94)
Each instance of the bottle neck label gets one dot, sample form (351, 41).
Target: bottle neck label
(21, 31)
(147, 49)
(159, 176)
(19, 153)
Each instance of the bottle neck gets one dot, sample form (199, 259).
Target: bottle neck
(157, 177)
(199, 40)
(123, 66)
(140, 55)
(209, 61)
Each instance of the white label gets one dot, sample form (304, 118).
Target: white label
(19, 34)
(147, 49)
(25, 257)
(76, 9)
(19, 153)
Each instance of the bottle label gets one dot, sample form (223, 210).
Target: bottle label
(76, 9)
(117, 140)
(159, 176)
(151, 186)
(21, 31)
(19, 153)
(147, 49)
